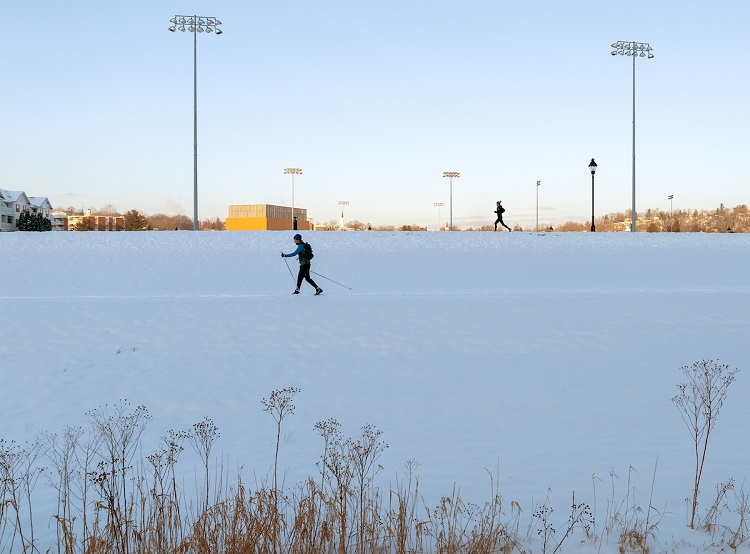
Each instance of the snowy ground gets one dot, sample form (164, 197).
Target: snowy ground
(547, 360)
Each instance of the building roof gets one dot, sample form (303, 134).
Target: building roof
(39, 202)
(12, 195)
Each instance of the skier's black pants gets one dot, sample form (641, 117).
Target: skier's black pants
(500, 221)
(304, 273)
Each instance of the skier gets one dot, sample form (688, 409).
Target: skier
(304, 264)
(499, 211)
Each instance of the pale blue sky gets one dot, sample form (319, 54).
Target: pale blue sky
(374, 101)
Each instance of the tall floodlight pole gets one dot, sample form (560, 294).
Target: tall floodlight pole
(537, 205)
(196, 24)
(634, 49)
(592, 169)
(439, 205)
(451, 175)
(343, 203)
(292, 171)
(670, 198)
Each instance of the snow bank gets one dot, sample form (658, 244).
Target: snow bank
(549, 360)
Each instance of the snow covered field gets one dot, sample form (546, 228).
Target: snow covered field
(548, 361)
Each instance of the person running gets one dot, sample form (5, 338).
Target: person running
(304, 264)
(499, 211)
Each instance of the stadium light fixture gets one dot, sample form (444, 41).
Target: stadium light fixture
(196, 24)
(636, 50)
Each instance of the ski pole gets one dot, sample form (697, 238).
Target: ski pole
(331, 280)
(290, 269)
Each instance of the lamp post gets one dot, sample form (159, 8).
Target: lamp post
(293, 171)
(196, 24)
(634, 49)
(537, 205)
(343, 203)
(592, 169)
(451, 175)
(670, 198)
(439, 205)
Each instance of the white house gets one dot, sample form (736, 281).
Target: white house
(40, 205)
(14, 202)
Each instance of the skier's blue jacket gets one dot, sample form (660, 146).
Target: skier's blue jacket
(299, 252)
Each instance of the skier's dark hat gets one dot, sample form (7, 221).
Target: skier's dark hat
(297, 237)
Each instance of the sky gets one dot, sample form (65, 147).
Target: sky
(374, 101)
(547, 361)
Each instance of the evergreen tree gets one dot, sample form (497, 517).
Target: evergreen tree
(29, 221)
(85, 224)
(136, 221)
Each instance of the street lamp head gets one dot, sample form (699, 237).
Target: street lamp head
(451, 174)
(592, 166)
(291, 170)
(172, 28)
(219, 31)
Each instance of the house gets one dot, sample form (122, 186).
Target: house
(12, 204)
(15, 202)
(40, 205)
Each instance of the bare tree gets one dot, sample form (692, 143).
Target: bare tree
(202, 440)
(120, 433)
(699, 402)
(109, 210)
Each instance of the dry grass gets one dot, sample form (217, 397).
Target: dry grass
(110, 502)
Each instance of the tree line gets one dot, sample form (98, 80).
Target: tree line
(135, 220)
(720, 220)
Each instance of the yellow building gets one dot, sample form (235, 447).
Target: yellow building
(265, 217)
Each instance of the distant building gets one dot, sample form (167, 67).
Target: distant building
(59, 221)
(98, 222)
(15, 202)
(265, 217)
(40, 205)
